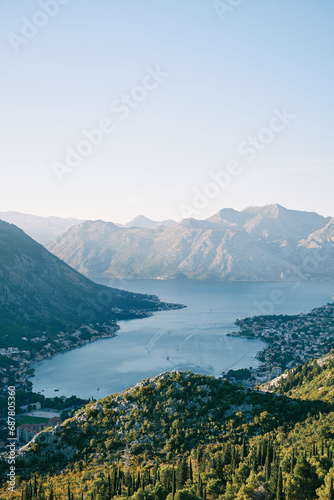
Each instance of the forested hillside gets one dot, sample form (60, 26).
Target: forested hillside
(40, 295)
(187, 436)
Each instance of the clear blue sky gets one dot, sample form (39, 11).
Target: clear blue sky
(226, 76)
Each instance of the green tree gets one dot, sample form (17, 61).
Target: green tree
(304, 480)
(279, 490)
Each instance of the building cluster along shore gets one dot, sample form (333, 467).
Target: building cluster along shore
(18, 372)
(289, 339)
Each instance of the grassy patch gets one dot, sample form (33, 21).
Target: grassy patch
(31, 420)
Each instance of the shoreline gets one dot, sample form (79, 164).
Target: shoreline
(98, 280)
(284, 339)
(289, 339)
(22, 380)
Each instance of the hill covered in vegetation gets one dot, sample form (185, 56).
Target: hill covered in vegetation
(312, 381)
(187, 436)
(41, 296)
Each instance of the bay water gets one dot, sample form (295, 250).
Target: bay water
(194, 338)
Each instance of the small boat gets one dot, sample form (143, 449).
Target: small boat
(56, 390)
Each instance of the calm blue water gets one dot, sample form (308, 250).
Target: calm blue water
(192, 338)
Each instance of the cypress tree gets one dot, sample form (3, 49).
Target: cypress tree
(243, 450)
(29, 491)
(155, 473)
(270, 450)
(263, 452)
(173, 483)
(259, 454)
(181, 473)
(274, 473)
(279, 491)
(292, 462)
(331, 490)
(233, 460)
(267, 467)
(41, 495)
(254, 463)
(190, 470)
(219, 466)
(227, 457)
(199, 487)
(199, 454)
(114, 480)
(35, 486)
(109, 488)
(305, 478)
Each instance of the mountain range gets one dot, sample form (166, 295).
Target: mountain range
(145, 223)
(46, 229)
(269, 243)
(41, 295)
(41, 229)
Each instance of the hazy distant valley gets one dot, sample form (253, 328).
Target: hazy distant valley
(46, 229)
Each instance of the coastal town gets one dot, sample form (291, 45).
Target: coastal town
(16, 364)
(16, 370)
(289, 340)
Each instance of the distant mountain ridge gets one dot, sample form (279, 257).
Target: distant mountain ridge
(269, 243)
(41, 229)
(45, 229)
(145, 223)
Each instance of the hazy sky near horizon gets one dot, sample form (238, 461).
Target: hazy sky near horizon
(181, 90)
